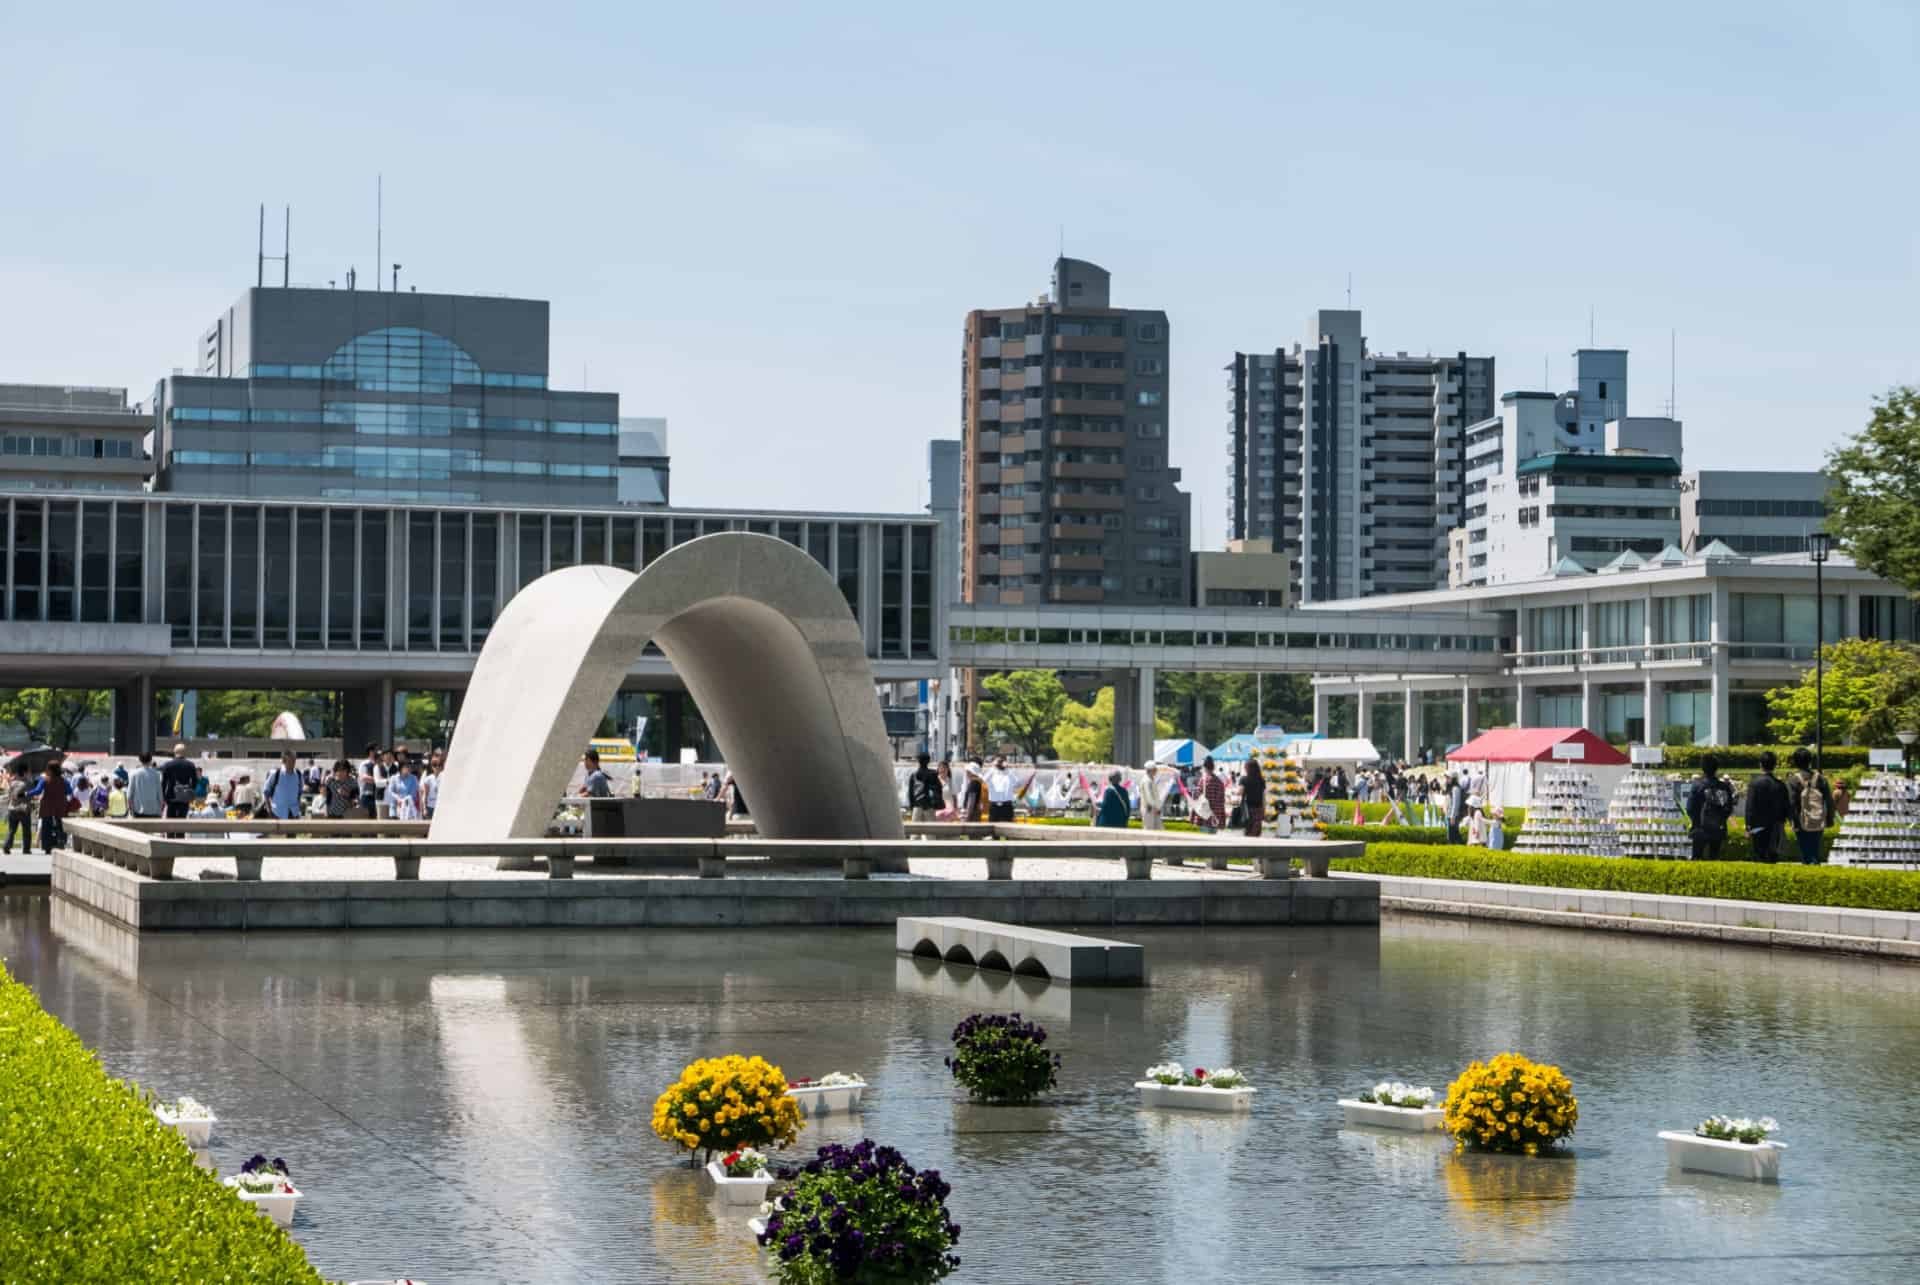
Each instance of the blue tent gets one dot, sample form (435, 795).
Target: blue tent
(1238, 749)
(1181, 752)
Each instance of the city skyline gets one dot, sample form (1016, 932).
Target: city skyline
(732, 255)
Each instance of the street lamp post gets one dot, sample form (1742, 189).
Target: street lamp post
(1819, 545)
(1907, 738)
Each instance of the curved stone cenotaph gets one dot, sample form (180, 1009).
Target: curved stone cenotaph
(766, 645)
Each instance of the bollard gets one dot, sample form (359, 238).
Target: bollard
(1139, 867)
(713, 867)
(856, 867)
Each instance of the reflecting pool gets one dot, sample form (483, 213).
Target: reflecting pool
(473, 1107)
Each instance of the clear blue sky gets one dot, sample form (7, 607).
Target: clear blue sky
(767, 223)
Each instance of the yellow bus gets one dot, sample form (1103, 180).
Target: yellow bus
(613, 749)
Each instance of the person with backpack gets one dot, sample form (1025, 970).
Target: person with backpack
(924, 794)
(19, 813)
(1709, 808)
(1810, 805)
(1767, 810)
(281, 793)
(55, 795)
(177, 776)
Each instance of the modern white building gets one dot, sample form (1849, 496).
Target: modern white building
(1684, 648)
(1751, 511)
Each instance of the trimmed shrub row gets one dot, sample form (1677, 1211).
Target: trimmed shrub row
(1742, 880)
(94, 1188)
(1739, 758)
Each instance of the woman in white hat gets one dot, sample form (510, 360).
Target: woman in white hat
(1150, 798)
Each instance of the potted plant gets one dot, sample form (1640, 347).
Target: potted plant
(188, 1117)
(740, 1177)
(1000, 1058)
(834, 1091)
(1172, 1085)
(1734, 1148)
(1394, 1105)
(267, 1185)
(859, 1213)
(1510, 1104)
(721, 1104)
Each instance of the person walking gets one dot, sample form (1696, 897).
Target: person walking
(924, 795)
(973, 799)
(1456, 806)
(144, 798)
(437, 769)
(117, 799)
(1253, 798)
(19, 813)
(1767, 810)
(1151, 799)
(403, 793)
(949, 808)
(282, 788)
(53, 809)
(1709, 808)
(372, 781)
(1842, 798)
(1114, 810)
(1214, 791)
(1496, 826)
(1000, 792)
(1810, 804)
(340, 793)
(177, 778)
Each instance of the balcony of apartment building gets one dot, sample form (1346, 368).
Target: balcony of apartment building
(1397, 400)
(1065, 437)
(1086, 406)
(48, 470)
(1088, 500)
(1077, 562)
(1090, 470)
(987, 441)
(1069, 530)
(1089, 343)
(1075, 593)
(1090, 374)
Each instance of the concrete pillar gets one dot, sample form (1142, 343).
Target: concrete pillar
(1133, 715)
(1586, 704)
(385, 699)
(671, 709)
(1410, 726)
(1717, 635)
(133, 728)
(1466, 714)
(1519, 703)
(1323, 711)
(1362, 712)
(1650, 709)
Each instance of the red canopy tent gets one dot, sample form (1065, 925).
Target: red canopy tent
(1512, 759)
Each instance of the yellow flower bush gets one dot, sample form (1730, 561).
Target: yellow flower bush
(1511, 1104)
(721, 1103)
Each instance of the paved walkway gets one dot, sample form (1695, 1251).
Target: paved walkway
(431, 868)
(27, 868)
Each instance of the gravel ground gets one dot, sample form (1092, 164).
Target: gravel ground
(343, 868)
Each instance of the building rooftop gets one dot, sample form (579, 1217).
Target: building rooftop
(1574, 462)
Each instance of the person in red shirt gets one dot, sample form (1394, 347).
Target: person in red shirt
(53, 809)
(1214, 790)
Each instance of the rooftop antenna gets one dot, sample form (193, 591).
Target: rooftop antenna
(1589, 325)
(1349, 291)
(261, 257)
(1673, 374)
(379, 203)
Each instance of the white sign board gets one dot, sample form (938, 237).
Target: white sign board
(688, 754)
(1571, 752)
(1649, 753)
(1883, 758)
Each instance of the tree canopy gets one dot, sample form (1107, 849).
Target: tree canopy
(52, 715)
(1212, 707)
(1871, 691)
(1873, 506)
(1022, 708)
(1085, 734)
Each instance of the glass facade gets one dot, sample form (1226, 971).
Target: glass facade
(238, 574)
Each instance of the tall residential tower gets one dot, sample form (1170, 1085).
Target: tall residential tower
(1352, 462)
(1067, 495)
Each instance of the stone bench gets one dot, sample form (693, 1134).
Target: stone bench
(1033, 952)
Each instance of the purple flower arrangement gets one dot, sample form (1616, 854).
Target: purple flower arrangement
(860, 1214)
(1002, 1058)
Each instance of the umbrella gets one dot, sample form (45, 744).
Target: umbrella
(34, 761)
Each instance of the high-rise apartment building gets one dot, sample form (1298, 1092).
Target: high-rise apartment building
(1067, 492)
(57, 437)
(384, 395)
(1352, 462)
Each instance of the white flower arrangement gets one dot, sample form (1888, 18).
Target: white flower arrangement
(1224, 1077)
(747, 1162)
(1395, 1093)
(1730, 1129)
(186, 1108)
(831, 1080)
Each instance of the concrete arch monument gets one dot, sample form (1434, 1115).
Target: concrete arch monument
(765, 643)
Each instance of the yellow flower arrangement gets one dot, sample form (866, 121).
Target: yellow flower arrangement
(722, 1103)
(1511, 1104)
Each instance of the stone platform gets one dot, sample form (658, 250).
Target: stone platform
(639, 899)
(1014, 948)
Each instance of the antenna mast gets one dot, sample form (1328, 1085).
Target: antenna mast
(261, 257)
(379, 199)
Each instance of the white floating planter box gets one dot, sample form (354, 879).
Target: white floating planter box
(827, 1099)
(194, 1131)
(739, 1191)
(1196, 1098)
(277, 1205)
(1753, 1161)
(1378, 1116)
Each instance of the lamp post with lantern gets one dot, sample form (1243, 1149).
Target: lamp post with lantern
(1907, 737)
(1819, 547)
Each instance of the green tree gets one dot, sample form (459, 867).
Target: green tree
(1022, 708)
(1085, 734)
(1212, 707)
(1873, 504)
(1871, 690)
(52, 715)
(239, 711)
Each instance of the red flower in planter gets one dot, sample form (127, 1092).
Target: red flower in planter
(732, 1159)
(1199, 1072)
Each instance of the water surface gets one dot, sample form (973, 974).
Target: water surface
(473, 1106)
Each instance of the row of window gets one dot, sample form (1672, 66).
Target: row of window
(1688, 618)
(399, 462)
(1216, 638)
(396, 419)
(1762, 508)
(431, 377)
(86, 448)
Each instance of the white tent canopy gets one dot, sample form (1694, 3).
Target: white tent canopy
(1350, 752)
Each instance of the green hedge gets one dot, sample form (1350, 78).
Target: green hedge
(1389, 833)
(1742, 880)
(93, 1188)
(1742, 758)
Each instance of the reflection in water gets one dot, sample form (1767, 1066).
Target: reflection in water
(473, 1106)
